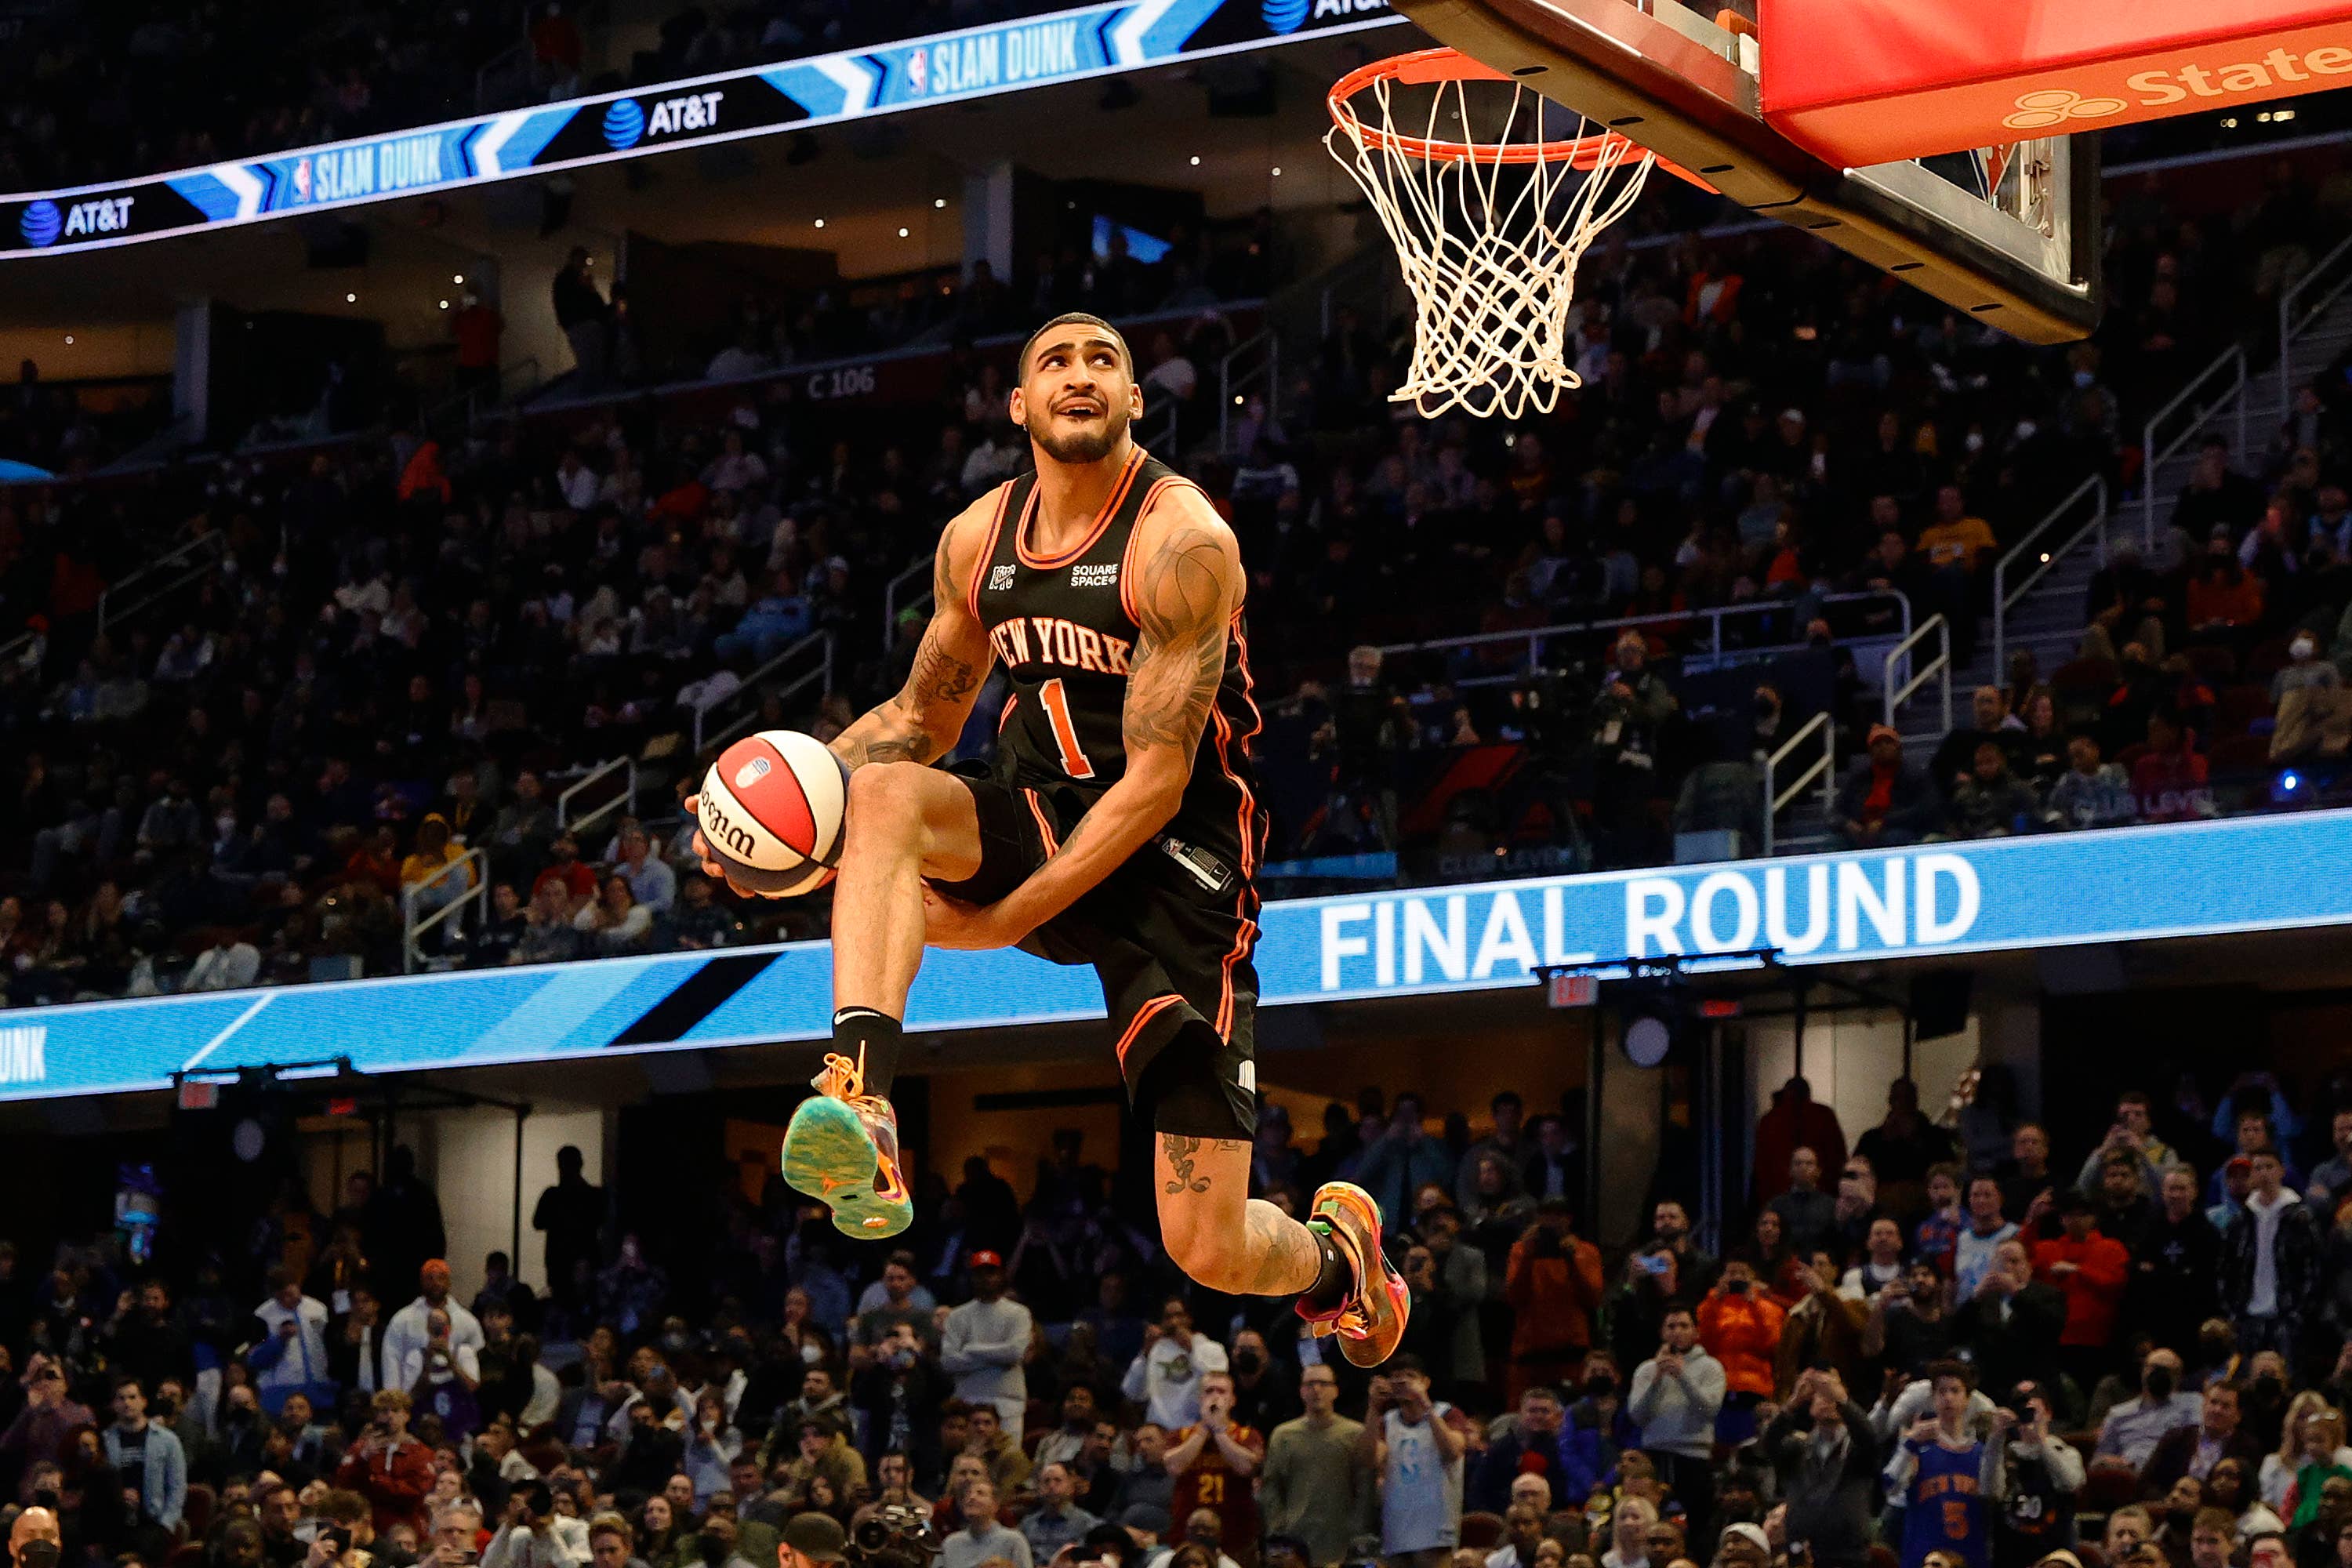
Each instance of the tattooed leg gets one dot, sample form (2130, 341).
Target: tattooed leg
(1220, 1235)
(906, 822)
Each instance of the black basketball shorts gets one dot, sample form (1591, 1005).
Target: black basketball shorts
(1170, 935)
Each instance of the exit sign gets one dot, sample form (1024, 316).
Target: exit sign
(1574, 990)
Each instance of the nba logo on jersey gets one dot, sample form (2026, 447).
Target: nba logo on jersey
(752, 772)
(1000, 578)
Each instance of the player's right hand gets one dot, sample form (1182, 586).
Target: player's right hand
(711, 868)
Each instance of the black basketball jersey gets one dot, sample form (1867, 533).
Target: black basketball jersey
(1065, 629)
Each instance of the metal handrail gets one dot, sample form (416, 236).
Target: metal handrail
(918, 570)
(2151, 459)
(1940, 665)
(411, 955)
(2005, 598)
(627, 796)
(2288, 326)
(821, 641)
(1234, 385)
(1536, 637)
(171, 561)
(1824, 769)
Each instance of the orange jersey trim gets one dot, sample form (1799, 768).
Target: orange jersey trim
(1144, 1015)
(1111, 503)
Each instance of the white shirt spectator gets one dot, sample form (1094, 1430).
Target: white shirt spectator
(404, 1335)
(305, 1361)
(1167, 1378)
(578, 482)
(1420, 1495)
(1173, 377)
(230, 965)
(412, 1365)
(565, 1545)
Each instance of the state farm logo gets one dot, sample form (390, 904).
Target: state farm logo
(2055, 105)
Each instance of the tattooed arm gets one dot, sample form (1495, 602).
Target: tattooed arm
(1187, 591)
(921, 723)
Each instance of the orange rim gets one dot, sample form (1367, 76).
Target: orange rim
(1441, 65)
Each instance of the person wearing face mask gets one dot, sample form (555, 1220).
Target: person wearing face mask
(2133, 1428)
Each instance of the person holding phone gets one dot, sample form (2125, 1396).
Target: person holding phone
(386, 1466)
(1554, 1286)
(1408, 1443)
(1675, 1398)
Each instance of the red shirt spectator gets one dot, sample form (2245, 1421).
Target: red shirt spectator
(564, 866)
(390, 1469)
(1740, 1327)
(1796, 1122)
(1553, 1284)
(2169, 778)
(2089, 1268)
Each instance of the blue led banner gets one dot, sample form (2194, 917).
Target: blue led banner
(2121, 885)
(854, 84)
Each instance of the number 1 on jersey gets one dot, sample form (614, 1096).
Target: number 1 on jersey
(1065, 735)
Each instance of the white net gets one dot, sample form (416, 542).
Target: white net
(1489, 232)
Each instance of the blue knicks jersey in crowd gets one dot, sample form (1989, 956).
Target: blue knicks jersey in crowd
(1944, 1509)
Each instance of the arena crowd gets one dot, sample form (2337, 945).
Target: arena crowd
(1936, 1346)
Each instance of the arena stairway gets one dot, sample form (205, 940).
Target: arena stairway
(2048, 619)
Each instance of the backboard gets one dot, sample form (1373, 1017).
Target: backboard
(2008, 235)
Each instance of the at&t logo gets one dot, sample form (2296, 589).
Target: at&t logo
(2051, 105)
(40, 224)
(625, 124)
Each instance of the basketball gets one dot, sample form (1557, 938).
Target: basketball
(770, 810)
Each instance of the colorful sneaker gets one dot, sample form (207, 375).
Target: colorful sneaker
(1370, 1324)
(842, 1149)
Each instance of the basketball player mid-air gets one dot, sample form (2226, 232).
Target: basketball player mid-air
(1117, 826)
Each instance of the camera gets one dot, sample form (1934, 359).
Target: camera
(895, 1531)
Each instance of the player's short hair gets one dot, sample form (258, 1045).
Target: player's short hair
(1076, 318)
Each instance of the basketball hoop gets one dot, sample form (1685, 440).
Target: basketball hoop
(1489, 231)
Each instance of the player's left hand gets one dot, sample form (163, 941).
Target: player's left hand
(974, 928)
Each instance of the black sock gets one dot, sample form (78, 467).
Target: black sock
(876, 1036)
(1334, 1286)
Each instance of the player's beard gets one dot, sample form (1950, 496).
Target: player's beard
(1091, 447)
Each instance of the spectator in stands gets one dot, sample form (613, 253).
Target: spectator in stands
(2217, 1436)
(1884, 800)
(1675, 1398)
(1553, 1284)
(1956, 757)
(1827, 1457)
(1741, 1326)
(387, 1466)
(1795, 1119)
(1807, 1215)
(1315, 1483)
(2135, 1427)
(582, 316)
(2014, 1321)
(1989, 801)
(1166, 1377)
(2090, 1270)
(2270, 1261)
(1936, 1470)
(1408, 1441)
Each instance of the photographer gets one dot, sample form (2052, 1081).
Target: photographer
(896, 1387)
(1908, 1326)
(1418, 1458)
(2032, 1478)
(444, 1378)
(456, 1528)
(1675, 1398)
(390, 1469)
(342, 1534)
(1554, 1285)
(531, 1534)
(1827, 1459)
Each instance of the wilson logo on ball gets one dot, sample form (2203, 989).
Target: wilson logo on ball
(752, 772)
